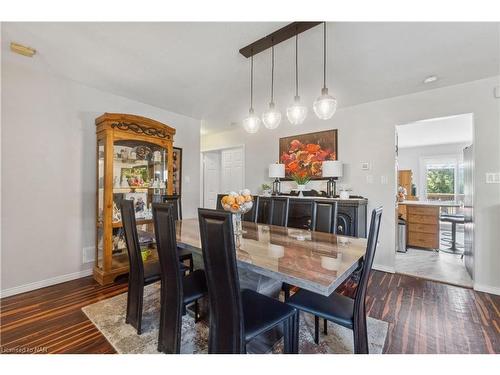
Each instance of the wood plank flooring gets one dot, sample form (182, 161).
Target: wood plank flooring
(423, 316)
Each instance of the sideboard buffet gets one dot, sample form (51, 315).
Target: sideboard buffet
(351, 216)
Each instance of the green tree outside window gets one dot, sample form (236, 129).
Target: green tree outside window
(441, 181)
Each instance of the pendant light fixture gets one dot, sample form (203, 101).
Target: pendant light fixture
(297, 112)
(326, 105)
(272, 117)
(251, 123)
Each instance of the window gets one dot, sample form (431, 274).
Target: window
(442, 177)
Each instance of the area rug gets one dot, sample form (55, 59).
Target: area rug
(109, 317)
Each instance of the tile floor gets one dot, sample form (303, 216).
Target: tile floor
(433, 265)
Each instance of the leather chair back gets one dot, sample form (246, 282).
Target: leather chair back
(219, 203)
(324, 216)
(175, 200)
(136, 268)
(226, 333)
(371, 247)
(171, 278)
(278, 211)
(252, 214)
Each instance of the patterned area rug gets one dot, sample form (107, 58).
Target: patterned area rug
(109, 317)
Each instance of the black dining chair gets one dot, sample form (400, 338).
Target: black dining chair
(324, 216)
(177, 291)
(184, 254)
(140, 274)
(236, 316)
(252, 214)
(278, 211)
(218, 204)
(324, 219)
(339, 309)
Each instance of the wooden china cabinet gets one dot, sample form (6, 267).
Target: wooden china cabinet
(134, 161)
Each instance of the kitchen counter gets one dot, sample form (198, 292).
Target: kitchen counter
(431, 203)
(422, 222)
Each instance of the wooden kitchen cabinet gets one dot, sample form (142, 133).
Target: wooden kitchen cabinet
(405, 179)
(423, 226)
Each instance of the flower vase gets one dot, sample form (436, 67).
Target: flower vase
(237, 228)
(301, 188)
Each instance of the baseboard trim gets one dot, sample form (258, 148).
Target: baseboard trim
(487, 289)
(382, 268)
(44, 283)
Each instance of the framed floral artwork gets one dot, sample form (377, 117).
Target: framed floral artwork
(303, 154)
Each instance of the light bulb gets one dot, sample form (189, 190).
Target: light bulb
(325, 106)
(272, 117)
(252, 123)
(297, 112)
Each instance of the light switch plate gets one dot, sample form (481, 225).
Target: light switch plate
(492, 178)
(369, 179)
(365, 166)
(383, 180)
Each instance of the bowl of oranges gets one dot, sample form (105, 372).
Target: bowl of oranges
(238, 203)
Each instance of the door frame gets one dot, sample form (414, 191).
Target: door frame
(202, 166)
(474, 187)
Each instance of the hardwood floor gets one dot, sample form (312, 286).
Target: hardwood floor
(423, 316)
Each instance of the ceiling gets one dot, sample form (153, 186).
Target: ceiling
(437, 131)
(195, 68)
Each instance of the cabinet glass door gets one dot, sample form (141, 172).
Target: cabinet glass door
(139, 174)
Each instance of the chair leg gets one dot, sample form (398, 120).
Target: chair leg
(134, 306)
(287, 336)
(196, 314)
(191, 264)
(316, 330)
(296, 332)
(325, 326)
(360, 337)
(139, 311)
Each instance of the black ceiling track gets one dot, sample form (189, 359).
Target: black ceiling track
(287, 32)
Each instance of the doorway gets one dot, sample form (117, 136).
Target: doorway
(223, 172)
(434, 190)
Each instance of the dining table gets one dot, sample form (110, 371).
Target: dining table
(315, 261)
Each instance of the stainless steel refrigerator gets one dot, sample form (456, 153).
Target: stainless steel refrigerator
(468, 210)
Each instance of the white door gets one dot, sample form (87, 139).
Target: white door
(233, 169)
(211, 178)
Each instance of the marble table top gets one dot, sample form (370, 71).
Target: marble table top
(314, 261)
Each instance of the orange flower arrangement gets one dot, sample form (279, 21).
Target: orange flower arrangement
(305, 160)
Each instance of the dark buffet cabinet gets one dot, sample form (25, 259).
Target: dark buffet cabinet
(351, 217)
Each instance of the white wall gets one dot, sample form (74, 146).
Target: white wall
(48, 170)
(367, 133)
(409, 157)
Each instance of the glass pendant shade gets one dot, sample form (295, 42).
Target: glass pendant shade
(297, 112)
(325, 106)
(251, 123)
(272, 117)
